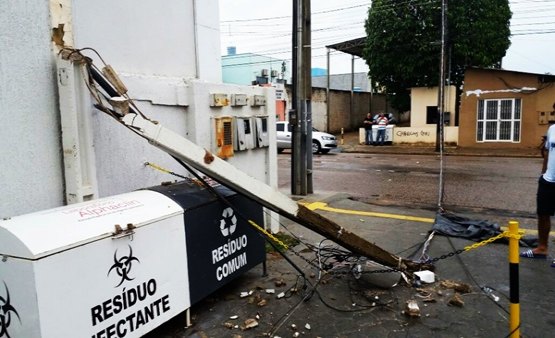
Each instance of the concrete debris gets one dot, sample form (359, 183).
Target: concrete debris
(257, 316)
(412, 309)
(244, 294)
(307, 326)
(294, 326)
(229, 325)
(280, 295)
(456, 300)
(426, 276)
(270, 291)
(457, 286)
(233, 317)
(262, 303)
(280, 282)
(249, 324)
(296, 334)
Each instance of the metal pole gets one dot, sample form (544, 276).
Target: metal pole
(294, 114)
(352, 103)
(307, 81)
(328, 101)
(441, 103)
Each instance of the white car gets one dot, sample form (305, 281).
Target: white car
(321, 142)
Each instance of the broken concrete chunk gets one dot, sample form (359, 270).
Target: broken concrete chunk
(279, 283)
(307, 326)
(456, 300)
(294, 326)
(271, 291)
(457, 286)
(234, 317)
(412, 309)
(262, 302)
(244, 294)
(249, 324)
(280, 295)
(296, 334)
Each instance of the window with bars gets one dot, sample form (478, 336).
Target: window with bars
(498, 120)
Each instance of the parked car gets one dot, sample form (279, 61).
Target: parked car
(321, 142)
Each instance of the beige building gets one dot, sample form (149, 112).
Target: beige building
(505, 109)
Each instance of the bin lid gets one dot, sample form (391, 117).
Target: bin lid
(43, 233)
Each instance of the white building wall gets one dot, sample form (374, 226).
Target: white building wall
(153, 47)
(31, 176)
(141, 37)
(422, 97)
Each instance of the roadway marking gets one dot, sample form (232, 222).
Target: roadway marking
(324, 206)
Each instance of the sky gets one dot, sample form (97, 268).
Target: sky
(264, 27)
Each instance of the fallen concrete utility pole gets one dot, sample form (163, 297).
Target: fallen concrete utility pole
(228, 175)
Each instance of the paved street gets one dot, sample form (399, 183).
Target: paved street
(500, 185)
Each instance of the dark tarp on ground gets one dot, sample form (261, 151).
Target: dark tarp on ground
(449, 224)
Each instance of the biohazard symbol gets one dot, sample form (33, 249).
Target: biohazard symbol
(6, 310)
(122, 265)
(228, 223)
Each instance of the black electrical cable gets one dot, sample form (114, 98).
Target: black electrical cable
(467, 272)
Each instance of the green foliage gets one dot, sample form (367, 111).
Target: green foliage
(403, 45)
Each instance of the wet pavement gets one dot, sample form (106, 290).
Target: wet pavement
(306, 303)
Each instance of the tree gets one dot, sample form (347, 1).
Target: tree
(404, 41)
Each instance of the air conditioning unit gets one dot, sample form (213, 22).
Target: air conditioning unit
(264, 72)
(274, 73)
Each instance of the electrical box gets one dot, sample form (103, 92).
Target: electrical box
(262, 131)
(542, 117)
(219, 100)
(258, 100)
(244, 131)
(224, 136)
(274, 73)
(238, 100)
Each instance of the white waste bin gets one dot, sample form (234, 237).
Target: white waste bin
(70, 271)
(121, 266)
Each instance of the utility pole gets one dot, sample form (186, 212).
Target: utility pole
(441, 104)
(300, 117)
(441, 96)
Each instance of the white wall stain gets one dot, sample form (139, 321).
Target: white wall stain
(479, 92)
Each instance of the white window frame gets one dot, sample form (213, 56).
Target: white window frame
(495, 128)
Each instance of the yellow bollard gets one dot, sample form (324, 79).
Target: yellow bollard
(342, 136)
(514, 307)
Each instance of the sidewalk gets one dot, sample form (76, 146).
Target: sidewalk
(349, 143)
(344, 306)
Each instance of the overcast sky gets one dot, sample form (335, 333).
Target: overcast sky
(264, 27)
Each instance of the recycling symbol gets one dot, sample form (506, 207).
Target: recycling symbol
(228, 223)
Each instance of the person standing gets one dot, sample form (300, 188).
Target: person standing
(368, 122)
(382, 122)
(545, 199)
